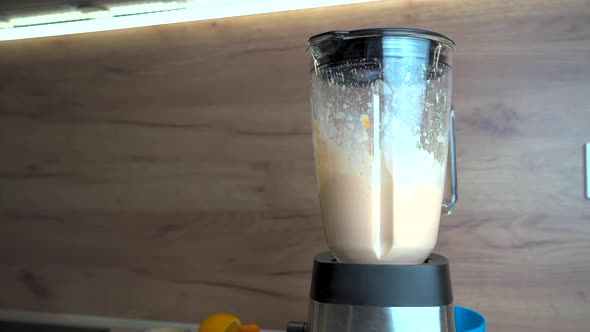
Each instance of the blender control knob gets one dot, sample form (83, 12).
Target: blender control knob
(297, 327)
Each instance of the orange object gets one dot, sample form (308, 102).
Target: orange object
(249, 328)
(366, 121)
(226, 323)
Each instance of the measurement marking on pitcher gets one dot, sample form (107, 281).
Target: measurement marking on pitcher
(376, 175)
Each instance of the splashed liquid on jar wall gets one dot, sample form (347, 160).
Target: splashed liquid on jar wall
(380, 132)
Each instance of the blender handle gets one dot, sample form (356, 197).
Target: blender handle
(450, 193)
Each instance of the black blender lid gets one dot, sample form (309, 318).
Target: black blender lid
(382, 285)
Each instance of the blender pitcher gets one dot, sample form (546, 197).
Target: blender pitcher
(382, 131)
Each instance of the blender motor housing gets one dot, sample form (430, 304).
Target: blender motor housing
(379, 297)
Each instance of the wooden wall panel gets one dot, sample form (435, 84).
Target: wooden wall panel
(167, 173)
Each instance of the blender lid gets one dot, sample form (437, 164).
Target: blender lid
(379, 32)
(342, 46)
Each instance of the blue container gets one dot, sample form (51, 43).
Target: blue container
(467, 320)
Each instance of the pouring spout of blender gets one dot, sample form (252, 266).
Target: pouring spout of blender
(324, 45)
(319, 50)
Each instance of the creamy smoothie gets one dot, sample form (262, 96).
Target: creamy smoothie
(379, 222)
(369, 218)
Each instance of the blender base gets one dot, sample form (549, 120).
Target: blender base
(379, 297)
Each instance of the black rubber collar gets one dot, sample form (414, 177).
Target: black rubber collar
(424, 285)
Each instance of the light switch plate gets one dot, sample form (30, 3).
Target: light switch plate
(587, 168)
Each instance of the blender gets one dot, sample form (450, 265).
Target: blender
(384, 152)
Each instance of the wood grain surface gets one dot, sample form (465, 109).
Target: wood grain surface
(167, 173)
